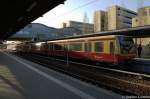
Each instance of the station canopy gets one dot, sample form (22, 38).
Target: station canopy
(15, 14)
(136, 32)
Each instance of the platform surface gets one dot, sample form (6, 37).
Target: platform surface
(22, 79)
(142, 59)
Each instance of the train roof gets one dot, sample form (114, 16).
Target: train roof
(83, 38)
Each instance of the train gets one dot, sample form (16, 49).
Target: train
(111, 49)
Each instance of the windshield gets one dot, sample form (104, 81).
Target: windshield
(126, 44)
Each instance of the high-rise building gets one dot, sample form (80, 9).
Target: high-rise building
(100, 21)
(119, 17)
(78, 25)
(143, 17)
(115, 17)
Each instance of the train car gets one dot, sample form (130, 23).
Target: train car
(26, 47)
(113, 49)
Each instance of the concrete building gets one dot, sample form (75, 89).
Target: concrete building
(115, 17)
(119, 17)
(100, 21)
(68, 31)
(78, 25)
(142, 19)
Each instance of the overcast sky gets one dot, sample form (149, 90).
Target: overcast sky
(75, 10)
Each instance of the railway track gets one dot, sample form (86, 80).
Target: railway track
(129, 82)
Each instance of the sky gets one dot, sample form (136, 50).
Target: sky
(76, 9)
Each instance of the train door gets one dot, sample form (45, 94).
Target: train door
(87, 49)
(66, 52)
(112, 50)
(50, 49)
(46, 48)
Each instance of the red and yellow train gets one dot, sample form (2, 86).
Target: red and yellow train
(113, 49)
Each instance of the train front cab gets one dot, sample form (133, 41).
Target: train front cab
(126, 49)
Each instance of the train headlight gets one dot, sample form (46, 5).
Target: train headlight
(38, 44)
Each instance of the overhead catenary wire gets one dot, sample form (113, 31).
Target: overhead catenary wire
(77, 8)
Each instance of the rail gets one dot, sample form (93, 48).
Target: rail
(136, 83)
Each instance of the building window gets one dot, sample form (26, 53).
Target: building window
(136, 20)
(130, 12)
(128, 17)
(145, 13)
(99, 46)
(126, 22)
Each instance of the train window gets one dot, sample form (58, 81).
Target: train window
(44, 46)
(88, 47)
(112, 47)
(62, 46)
(37, 47)
(57, 47)
(99, 46)
(33, 46)
(50, 47)
(126, 44)
(75, 47)
(65, 47)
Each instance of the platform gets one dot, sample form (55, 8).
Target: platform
(143, 59)
(141, 65)
(22, 79)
